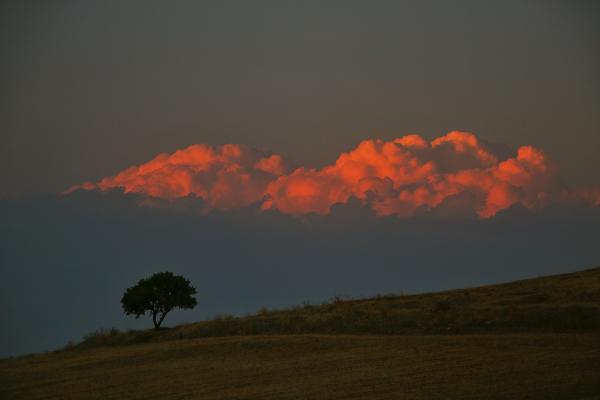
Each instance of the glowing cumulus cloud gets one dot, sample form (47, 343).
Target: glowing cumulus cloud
(397, 177)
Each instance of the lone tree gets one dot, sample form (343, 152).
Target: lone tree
(158, 295)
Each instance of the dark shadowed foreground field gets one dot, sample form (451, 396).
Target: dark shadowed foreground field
(534, 339)
(511, 366)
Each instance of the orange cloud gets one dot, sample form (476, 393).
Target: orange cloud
(225, 177)
(395, 177)
(400, 176)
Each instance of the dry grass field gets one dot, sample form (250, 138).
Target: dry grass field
(532, 339)
(510, 366)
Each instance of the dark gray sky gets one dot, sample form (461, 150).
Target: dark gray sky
(65, 261)
(89, 88)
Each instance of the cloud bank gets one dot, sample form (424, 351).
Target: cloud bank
(401, 177)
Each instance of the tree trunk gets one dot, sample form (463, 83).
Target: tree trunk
(162, 316)
(156, 324)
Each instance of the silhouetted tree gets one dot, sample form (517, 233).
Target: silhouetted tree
(158, 295)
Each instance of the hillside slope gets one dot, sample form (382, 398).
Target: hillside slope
(531, 339)
(558, 303)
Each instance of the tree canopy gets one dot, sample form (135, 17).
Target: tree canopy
(158, 295)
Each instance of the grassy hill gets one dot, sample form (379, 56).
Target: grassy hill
(536, 338)
(559, 303)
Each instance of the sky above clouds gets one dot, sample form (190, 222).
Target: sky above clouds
(91, 88)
